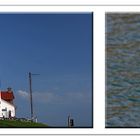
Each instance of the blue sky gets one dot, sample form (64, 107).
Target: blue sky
(58, 46)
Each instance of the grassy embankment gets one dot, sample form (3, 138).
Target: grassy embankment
(20, 124)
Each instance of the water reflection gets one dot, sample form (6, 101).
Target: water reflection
(122, 70)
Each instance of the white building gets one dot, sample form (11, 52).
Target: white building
(7, 108)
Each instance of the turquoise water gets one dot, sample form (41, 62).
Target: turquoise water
(122, 70)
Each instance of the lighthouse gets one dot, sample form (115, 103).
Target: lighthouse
(7, 107)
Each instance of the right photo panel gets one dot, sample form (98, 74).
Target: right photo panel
(122, 70)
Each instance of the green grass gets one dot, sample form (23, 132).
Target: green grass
(20, 124)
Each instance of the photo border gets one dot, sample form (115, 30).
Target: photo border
(98, 69)
(39, 10)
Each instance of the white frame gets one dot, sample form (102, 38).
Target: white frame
(98, 63)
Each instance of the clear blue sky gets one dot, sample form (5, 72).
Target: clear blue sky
(59, 48)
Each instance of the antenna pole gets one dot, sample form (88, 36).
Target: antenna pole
(31, 100)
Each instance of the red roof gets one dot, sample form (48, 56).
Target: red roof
(8, 96)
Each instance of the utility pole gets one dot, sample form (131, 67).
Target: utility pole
(69, 121)
(31, 97)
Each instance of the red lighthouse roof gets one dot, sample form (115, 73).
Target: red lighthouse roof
(7, 95)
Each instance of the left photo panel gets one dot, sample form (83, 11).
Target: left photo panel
(46, 75)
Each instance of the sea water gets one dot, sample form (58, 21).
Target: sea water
(123, 70)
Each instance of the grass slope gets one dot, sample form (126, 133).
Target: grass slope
(20, 124)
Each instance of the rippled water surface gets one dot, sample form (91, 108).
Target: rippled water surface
(123, 70)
